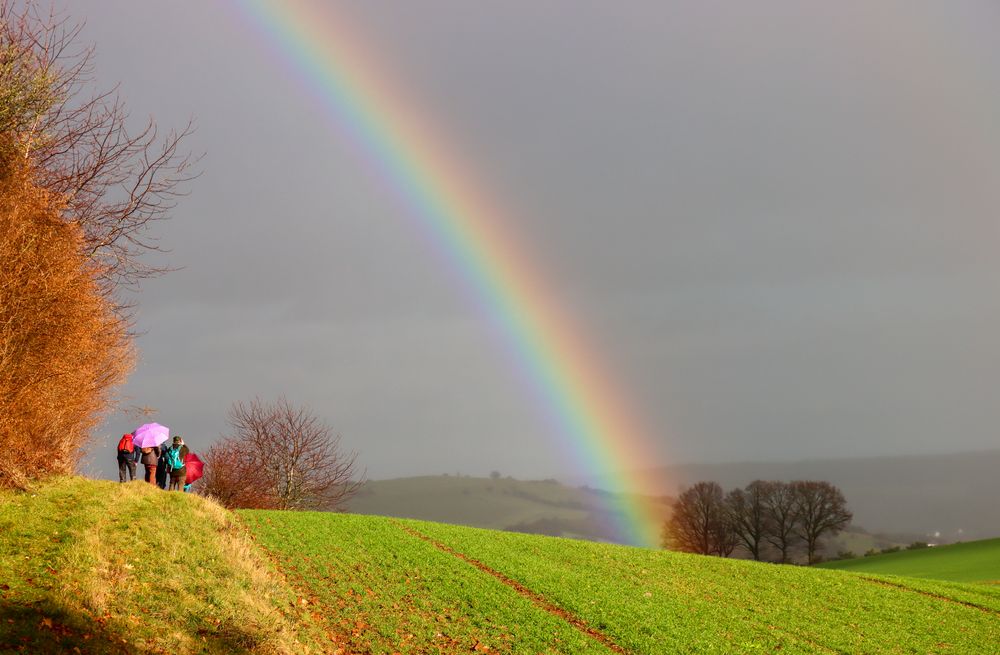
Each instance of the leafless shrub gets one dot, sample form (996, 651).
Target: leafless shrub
(280, 456)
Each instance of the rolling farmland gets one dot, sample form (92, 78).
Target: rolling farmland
(111, 568)
(416, 587)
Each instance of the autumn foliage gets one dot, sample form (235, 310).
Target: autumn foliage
(78, 192)
(63, 348)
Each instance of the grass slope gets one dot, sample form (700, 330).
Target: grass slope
(98, 567)
(974, 561)
(386, 590)
(109, 568)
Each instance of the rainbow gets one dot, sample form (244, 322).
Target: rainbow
(572, 387)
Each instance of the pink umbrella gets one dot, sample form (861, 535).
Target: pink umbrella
(150, 434)
(193, 465)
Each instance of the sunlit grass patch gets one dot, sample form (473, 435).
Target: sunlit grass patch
(114, 568)
(380, 590)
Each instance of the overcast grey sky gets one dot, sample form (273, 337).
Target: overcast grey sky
(776, 221)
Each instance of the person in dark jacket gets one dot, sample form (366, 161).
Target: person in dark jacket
(175, 458)
(149, 457)
(162, 469)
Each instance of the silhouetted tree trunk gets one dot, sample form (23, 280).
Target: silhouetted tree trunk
(748, 514)
(821, 509)
(781, 515)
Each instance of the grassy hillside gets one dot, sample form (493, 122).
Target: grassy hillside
(974, 561)
(537, 507)
(388, 585)
(105, 568)
(111, 568)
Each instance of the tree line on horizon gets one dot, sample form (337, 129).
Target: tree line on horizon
(767, 520)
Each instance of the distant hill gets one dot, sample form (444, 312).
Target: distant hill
(537, 507)
(943, 497)
(974, 561)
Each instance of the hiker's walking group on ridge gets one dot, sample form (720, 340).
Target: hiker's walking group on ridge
(165, 465)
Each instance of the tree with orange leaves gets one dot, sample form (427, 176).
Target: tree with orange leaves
(63, 347)
(78, 192)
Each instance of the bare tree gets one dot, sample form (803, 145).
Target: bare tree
(698, 522)
(781, 515)
(821, 509)
(748, 515)
(281, 456)
(113, 182)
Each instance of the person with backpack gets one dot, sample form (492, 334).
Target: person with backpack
(149, 458)
(175, 462)
(126, 457)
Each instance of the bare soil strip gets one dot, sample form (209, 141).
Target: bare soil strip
(930, 594)
(535, 598)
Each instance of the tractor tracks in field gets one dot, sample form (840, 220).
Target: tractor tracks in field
(537, 599)
(545, 604)
(931, 594)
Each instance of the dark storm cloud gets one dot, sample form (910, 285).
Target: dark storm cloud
(776, 220)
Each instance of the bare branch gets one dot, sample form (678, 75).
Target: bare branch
(114, 184)
(280, 456)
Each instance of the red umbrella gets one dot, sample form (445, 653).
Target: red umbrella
(193, 465)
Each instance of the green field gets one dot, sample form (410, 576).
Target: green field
(389, 583)
(974, 561)
(110, 568)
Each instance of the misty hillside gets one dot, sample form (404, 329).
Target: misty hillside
(954, 494)
(533, 506)
(543, 507)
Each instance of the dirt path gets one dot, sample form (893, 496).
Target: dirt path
(537, 599)
(930, 594)
(578, 623)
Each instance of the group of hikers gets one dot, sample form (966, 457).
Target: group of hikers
(165, 465)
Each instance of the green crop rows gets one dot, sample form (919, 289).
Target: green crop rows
(375, 588)
(660, 602)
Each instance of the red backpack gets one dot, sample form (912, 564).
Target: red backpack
(125, 445)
